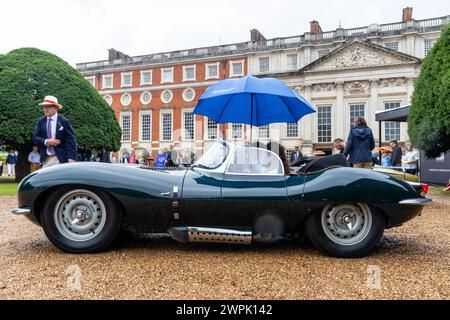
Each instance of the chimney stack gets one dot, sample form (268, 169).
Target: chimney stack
(256, 36)
(315, 27)
(113, 54)
(407, 14)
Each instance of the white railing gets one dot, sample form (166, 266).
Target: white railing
(355, 31)
(392, 26)
(277, 42)
(431, 23)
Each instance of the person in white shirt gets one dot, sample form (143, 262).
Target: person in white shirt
(34, 158)
(410, 159)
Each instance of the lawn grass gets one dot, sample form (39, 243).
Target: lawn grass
(8, 187)
(440, 190)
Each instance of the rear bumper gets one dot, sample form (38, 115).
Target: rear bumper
(416, 201)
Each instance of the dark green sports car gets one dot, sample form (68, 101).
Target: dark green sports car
(232, 194)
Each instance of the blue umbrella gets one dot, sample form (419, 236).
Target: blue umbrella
(253, 101)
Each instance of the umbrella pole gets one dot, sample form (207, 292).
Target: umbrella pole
(251, 118)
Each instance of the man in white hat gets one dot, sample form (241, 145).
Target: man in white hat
(54, 134)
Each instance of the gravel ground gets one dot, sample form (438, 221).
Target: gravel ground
(412, 259)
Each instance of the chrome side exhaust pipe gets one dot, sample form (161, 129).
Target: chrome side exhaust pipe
(216, 235)
(210, 235)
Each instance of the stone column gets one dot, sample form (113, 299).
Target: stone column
(404, 126)
(373, 106)
(339, 112)
(410, 88)
(309, 125)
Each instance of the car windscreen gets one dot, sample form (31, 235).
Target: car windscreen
(250, 160)
(213, 157)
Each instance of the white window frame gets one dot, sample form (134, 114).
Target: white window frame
(121, 99)
(161, 128)
(195, 73)
(107, 97)
(322, 53)
(426, 50)
(298, 131)
(162, 75)
(296, 61)
(122, 114)
(231, 63)
(141, 114)
(104, 76)
(359, 102)
(230, 130)
(184, 92)
(205, 125)
(143, 102)
(268, 131)
(390, 44)
(183, 111)
(207, 75)
(259, 64)
(91, 80)
(383, 129)
(162, 94)
(331, 121)
(142, 77)
(122, 77)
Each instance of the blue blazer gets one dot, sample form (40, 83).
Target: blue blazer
(67, 149)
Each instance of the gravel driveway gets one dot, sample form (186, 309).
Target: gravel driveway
(412, 261)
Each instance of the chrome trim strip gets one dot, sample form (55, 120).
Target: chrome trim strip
(216, 235)
(416, 202)
(20, 211)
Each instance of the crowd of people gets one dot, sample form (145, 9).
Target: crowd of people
(360, 145)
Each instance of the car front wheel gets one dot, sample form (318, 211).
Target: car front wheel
(347, 230)
(81, 220)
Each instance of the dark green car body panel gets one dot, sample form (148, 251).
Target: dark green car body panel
(210, 198)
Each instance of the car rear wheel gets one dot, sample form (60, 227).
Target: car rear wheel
(347, 230)
(81, 220)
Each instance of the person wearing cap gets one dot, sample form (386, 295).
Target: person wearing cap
(54, 135)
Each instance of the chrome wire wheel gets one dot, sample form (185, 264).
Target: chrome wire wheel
(80, 215)
(346, 224)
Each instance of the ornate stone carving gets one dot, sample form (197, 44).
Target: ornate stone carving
(323, 87)
(358, 56)
(392, 82)
(300, 89)
(357, 87)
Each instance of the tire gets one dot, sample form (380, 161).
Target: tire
(81, 220)
(348, 230)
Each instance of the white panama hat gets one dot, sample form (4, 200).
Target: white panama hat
(49, 101)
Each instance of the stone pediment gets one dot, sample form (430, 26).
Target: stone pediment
(359, 55)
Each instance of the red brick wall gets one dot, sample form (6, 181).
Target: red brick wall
(156, 104)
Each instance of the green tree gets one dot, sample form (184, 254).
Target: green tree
(26, 76)
(429, 118)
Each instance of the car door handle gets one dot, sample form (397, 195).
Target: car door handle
(165, 194)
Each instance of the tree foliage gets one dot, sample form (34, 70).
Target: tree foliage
(26, 76)
(429, 117)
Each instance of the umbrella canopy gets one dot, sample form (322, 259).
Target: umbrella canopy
(252, 101)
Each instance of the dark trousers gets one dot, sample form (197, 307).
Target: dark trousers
(411, 171)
